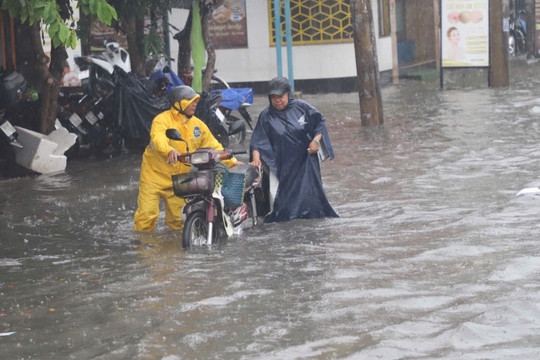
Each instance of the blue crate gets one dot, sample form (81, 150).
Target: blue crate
(232, 188)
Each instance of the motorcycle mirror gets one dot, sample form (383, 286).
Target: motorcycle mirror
(173, 134)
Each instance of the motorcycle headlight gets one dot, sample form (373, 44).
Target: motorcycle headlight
(200, 158)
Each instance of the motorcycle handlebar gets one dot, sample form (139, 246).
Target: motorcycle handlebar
(219, 155)
(227, 154)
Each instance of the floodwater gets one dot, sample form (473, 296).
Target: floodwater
(433, 257)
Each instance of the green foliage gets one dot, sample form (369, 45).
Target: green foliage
(153, 43)
(47, 12)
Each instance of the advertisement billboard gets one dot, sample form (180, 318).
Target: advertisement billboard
(465, 33)
(228, 25)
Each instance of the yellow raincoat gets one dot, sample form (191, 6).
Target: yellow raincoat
(155, 179)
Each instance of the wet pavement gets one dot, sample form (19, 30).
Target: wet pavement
(433, 257)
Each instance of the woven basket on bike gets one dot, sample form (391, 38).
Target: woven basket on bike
(232, 187)
(193, 183)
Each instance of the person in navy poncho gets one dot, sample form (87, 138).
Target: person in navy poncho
(286, 141)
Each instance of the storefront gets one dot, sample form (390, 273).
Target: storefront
(321, 34)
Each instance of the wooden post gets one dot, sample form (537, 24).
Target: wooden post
(393, 37)
(437, 17)
(536, 30)
(498, 42)
(367, 63)
(530, 20)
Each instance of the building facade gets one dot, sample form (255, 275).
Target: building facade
(323, 55)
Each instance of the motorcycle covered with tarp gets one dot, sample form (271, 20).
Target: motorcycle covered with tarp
(139, 100)
(239, 99)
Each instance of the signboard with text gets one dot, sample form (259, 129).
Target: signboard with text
(465, 33)
(228, 25)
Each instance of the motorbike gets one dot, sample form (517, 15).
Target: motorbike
(8, 132)
(12, 88)
(239, 99)
(516, 36)
(88, 110)
(226, 129)
(219, 201)
(223, 128)
(82, 114)
(227, 100)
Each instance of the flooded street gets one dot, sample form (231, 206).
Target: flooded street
(433, 257)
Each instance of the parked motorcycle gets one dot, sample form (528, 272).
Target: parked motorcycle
(219, 200)
(516, 36)
(224, 129)
(84, 115)
(12, 88)
(239, 99)
(8, 132)
(88, 110)
(227, 99)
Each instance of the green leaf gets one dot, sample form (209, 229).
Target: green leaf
(83, 6)
(63, 33)
(56, 41)
(40, 5)
(104, 15)
(113, 12)
(73, 40)
(49, 13)
(97, 9)
(53, 29)
(93, 6)
(24, 16)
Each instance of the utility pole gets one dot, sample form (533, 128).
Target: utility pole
(437, 17)
(367, 63)
(499, 75)
(530, 20)
(393, 37)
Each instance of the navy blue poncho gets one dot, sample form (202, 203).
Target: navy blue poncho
(282, 138)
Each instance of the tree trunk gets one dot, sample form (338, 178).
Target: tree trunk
(367, 66)
(44, 78)
(498, 57)
(184, 47)
(531, 28)
(134, 27)
(210, 52)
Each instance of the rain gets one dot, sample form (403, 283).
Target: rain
(433, 256)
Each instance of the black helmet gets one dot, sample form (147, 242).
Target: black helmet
(181, 97)
(180, 93)
(279, 86)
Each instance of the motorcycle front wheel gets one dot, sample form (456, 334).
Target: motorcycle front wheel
(195, 230)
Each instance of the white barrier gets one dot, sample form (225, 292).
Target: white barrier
(44, 153)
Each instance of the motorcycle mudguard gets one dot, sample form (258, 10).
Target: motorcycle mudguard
(105, 65)
(191, 207)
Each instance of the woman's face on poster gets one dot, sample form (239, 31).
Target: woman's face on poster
(454, 36)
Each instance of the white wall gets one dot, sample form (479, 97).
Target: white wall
(259, 63)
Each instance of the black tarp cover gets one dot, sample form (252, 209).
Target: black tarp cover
(138, 105)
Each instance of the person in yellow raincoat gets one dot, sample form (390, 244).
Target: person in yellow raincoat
(159, 160)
